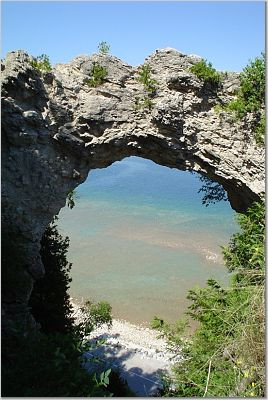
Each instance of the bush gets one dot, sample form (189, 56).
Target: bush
(50, 301)
(98, 74)
(15, 282)
(71, 197)
(245, 253)
(145, 78)
(49, 366)
(42, 63)
(251, 96)
(150, 86)
(103, 48)
(142, 103)
(252, 81)
(218, 360)
(94, 316)
(205, 72)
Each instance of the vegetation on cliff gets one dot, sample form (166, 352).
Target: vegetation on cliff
(50, 300)
(250, 98)
(150, 86)
(205, 72)
(98, 75)
(103, 48)
(42, 63)
(218, 360)
(251, 95)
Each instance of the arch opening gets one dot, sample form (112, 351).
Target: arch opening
(141, 238)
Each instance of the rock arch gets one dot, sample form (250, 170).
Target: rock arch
(55, 128)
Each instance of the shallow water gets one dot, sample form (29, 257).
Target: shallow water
(141, 238)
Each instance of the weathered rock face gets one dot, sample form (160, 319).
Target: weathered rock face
(55, 128)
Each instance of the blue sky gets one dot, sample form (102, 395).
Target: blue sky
(226, 33)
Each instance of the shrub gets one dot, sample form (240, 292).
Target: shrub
(245, 253)
(205, 72)
(252, 81)
(145, 78)
(95, 315)
(50, 365)
(143, 103)
(50, 301)
(219, 359)
(16, 282)
(251, 96)
(42, 63)
(103, 48)
(71, 197)
(150, 86)
(147, 103)
(98, 74)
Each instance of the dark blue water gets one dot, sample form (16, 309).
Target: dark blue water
(141, 238)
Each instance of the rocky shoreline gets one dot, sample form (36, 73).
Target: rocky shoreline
(136, 351)
(135, 338)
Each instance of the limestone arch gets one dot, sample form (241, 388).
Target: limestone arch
(55, 128)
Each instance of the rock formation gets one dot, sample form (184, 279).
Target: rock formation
(55, 128)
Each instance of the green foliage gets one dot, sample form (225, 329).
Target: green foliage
(145, 78)
(252, 81)
(104, 378)
(50, 301)
(104, 48)
(237, 107)
(245, 253)
(70, 201)
(42, 63)
(213, 191)
(205, 72)
(95, 315)
(150, 86)
(171, 332)
(143, 103)
(218, 360)
(251, 96)
(51, 366)
(260, 130)
(98, 75)
(218, 108)
(16, 282)
(147, 103)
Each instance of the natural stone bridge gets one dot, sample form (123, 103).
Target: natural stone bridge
(55, 128)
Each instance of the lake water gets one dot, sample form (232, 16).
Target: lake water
(140, 238)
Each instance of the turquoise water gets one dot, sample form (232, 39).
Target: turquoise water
(141, 238)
